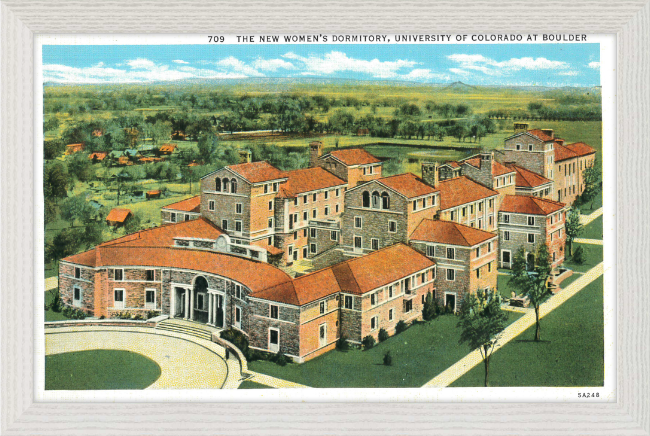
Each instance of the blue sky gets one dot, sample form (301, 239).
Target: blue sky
(478, 64)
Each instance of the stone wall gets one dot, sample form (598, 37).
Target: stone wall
(287, 323)
(86, 283)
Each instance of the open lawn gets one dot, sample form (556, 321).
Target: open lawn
(99, 369)
(591, 206)
(419, 354)
(593, 230)
(51, 315)
(571, 352)
(593, 254)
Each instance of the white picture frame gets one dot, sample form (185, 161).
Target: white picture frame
(21, 20)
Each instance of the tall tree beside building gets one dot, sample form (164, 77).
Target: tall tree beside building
(532, 282)
(572, 227)
(591, 177)
(481, 321)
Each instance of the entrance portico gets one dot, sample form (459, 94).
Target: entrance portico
(198, 303)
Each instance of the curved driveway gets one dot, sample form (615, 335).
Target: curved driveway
(185, 362)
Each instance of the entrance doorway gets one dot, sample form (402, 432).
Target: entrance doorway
(450, 302)
(201, 300)
(219, 317)
(274, 340)
(530, 261)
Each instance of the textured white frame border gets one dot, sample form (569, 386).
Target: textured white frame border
(630, 20)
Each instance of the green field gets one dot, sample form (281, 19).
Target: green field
(593, 254)
(593, 230)
(571, 352)
(51, 315)
(99, 370)
(419, 354)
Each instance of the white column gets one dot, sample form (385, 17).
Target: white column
(192, 303)
(210, 296)
(172, 304)
(216, 305)
(187, 304)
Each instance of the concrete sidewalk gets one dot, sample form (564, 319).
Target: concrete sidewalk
(588, 241)
(51, 283)
(586, 219)
(474, 358)
(273, 382)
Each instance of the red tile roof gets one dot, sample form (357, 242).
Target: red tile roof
(541, 135)
(188, 205)
(563, 153)
(118, 215)
(308, 179)
(304, 289)
(99, 155)
(529, 205)
(256, 172)
(526, 178)
(450, 233)
(461, 190)
(168, 148)
(408, 184)
(354, 156)
(580, 148)
(497, 168)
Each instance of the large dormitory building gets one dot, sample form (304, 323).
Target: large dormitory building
(228, 257)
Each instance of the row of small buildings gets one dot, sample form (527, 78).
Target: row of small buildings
(376, 245)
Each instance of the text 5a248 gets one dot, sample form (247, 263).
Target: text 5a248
(588, 394)
(216, 38)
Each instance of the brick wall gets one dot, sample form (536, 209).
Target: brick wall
(287, 323)
(86, 283)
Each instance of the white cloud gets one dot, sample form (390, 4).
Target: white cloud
(459, 71)
(141, 63)
(568, 73)
(492, 67)
(423, 75)
(594, 65)
(336, 62)
(272, 64)
(179, 61)
(234, 64)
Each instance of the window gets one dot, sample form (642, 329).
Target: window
(295, 201)
(326, 194)
(187, 217)
(433, 273)
(385, 200)
(374, 322)
(276, 185)
(518, 146)
(238, 208)
(375, 200)
(76, 296)
(224, 224)
(365, 197)
(415, 205)
(490, 267)
(373, 299)
(348, 302)
(118, 298)
(480, 207)
(270, 205)
(453, 215)
(471, 208)
(149, 275)
(173, 217)
(531, 220)
(226, 185)
(357, 222)
(531, 238)
(295, 235)
(118, 274)
(266, 189)
(314, 213)
(464, 211)
(304, 233)
(270, 222)
(451, 253)
(327, 210)
(305, 216)
(77, 272)
(390, 291)
(323, 307)
(408, 306)
(491, 202)
(365, 171)
(506, 236)
(233, 186)
(305, 200)
(238, 317)
(433, 200)
(312, 233)
(478, 273)
(314, 197)
(150, 299)
(211, 205)
(392, 226)
(431, 250)
(270, 240)
(478, 251)
(338, 191)
(423, 276)
(530, 147)
(312, 248)
(505, 256)
(337, 208)
(490, 220)
(217, 185)
(451, 275)
(333, 235)
(274, 311)
(506, 218)
(238, 226)
(390, 315)
(375, 243)
(489, 247)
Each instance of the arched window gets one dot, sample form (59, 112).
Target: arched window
(226, 185)
(375, 200)
(366, 199)
(385, 200)
(233, 186)
(217, 184)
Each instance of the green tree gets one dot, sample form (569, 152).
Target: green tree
(572, 227)
(161, 131)
(56, 181)
(53, 148)
(207, 145)
(591, 178)
(80, 167)
(92, 235)
(133, 224)
(76, 208)
(50, 210)
(429, 310)
(533, 284)
(481, 321)
(65, 243)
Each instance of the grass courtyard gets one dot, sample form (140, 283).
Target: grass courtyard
(419, 354)
(570, 353)
(593, 230)
(51, 315)
(99, 370)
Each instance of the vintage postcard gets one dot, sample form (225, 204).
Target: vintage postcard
(277, 213)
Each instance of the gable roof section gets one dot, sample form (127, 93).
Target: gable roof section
(308, 179)
(462, 190)
(562, 152)
(530, 205)
(164, 235)
(581, 149)
(450, 233)
(118, 215)
(541, 135)
(407, 184)
(192, 204)
(257, 172)
(353, 156)
(526, 178)
(498, 169)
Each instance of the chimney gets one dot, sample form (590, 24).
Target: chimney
(548, 132)
(245, 156)
(521, 127)
(430, 173)
(315, 151)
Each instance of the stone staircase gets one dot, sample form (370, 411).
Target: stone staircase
(187, 327)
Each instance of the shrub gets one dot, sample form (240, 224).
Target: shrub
(56, 304)
(281, 359)
(368, 342)
(579, 256)
(152, 314)
(401, 326)
(388, 359)
(342, 344)
(73, 313)
(383, 335)
(430, 309)
(239, 340)
(138, 317)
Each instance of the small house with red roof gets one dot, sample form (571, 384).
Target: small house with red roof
(184, 210)
(154, 193)
(97, 156)
(354, 165)
(117, 217)
(74, 148)
(526, 221)
(167, 149)
(466, 258)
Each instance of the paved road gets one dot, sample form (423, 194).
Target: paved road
(185, 362)
(474, 358)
